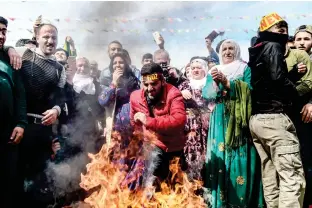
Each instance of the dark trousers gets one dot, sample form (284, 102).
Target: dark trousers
(8, 175)
(162, 171)
(35, 151)
(304, 132)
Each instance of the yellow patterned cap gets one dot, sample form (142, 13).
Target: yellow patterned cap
(269, 20)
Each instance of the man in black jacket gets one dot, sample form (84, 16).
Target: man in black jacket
(273, 133)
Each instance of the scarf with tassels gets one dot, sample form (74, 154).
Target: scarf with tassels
(240, 112)
(239, 109)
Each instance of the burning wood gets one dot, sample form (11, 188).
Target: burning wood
(106, 174)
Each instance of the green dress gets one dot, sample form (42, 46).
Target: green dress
(232, 175)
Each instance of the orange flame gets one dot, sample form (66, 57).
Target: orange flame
(105, 178)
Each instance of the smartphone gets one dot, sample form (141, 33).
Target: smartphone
(212, 35)
(156, 36)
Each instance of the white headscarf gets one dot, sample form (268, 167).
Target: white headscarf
(199, 84)
(84, 83)
(236, 68)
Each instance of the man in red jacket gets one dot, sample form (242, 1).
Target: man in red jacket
(159, 108)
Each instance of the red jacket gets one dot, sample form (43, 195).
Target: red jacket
(169, 120)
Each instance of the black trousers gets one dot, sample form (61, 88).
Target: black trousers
(304, 132)
(8, 175)
(162, 171)
(35, 152)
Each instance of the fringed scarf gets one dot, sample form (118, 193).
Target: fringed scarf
(240, 112)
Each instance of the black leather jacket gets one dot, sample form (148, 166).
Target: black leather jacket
(273, 92)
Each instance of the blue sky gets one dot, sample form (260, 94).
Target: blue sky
(181, 46)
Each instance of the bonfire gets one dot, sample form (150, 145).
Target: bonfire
(105, 180)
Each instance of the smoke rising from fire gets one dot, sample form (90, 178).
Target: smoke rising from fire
(65, 176)
(140, 15)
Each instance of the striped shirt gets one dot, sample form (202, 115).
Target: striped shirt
(44, 80)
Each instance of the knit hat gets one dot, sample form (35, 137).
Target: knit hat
(304, 28)
(269, 20)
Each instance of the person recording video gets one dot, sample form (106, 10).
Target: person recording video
(171, 74)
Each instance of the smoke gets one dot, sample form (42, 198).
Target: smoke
(141, 16)
(64, 173)
(152, 161)
(64, 177)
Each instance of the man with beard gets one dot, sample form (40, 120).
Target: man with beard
(44, 79)
(113, 48)
(303, 38)
(12, 124)
(171, 74)
(159, 108)
(274, 134)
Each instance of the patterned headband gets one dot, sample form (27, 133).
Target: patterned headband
(152, 77)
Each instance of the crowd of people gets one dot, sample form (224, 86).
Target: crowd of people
(242, 128)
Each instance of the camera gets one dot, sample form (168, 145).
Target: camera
(164, 67)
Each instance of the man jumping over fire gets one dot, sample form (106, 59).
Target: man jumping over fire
(158, 107)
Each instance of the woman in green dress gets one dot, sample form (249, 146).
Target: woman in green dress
(232, 168)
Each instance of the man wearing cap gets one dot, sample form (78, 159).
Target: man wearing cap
(303, 38)
(159, 108)
(274, 134)
(12, 123)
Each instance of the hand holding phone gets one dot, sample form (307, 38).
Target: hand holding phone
(159, 39)
(157, 36)
(214, 34)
